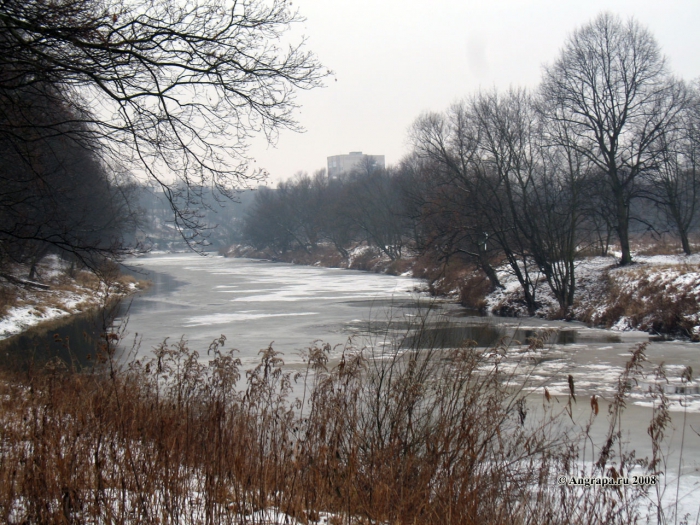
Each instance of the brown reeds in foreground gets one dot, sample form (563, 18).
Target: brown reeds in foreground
(400, 436)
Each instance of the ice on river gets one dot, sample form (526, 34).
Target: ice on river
(255, 303)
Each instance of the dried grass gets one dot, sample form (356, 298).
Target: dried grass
(656, 245)
(391, 436)
(473, 291)
(655, 305)
(8, 299)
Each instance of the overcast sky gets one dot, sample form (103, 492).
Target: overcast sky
(395, 59)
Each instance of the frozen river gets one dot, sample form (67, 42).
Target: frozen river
(256, 303)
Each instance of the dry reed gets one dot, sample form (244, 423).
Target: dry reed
(385, 436)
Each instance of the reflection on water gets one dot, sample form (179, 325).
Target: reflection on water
(73, 340)
(455, 336)
(394, 303)
(492, 334)
(475, 331)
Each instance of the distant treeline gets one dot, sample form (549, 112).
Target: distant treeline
(367, 205)
(608, 142)
(219, 220)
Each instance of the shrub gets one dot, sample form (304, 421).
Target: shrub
(387, 435)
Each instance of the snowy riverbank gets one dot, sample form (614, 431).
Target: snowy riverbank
(658, 294)
(61, 292)
(361, 257)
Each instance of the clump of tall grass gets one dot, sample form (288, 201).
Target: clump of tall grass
(385, 435)
(660, 302)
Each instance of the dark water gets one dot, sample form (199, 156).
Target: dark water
(483, 334)
(74, 340)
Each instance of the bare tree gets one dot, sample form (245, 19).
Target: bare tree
(507, 166)
(554, 206)
(267, 222)
(375, 207)
(55, 193)
(449, 191)
(171, 89)
(500, 182)
(301, 199)
(558, 203)
(598, 228)
(337, 225)
(611, 85)
(675, 186)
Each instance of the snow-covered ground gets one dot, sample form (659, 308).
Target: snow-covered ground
(640, 296)
(66, 295)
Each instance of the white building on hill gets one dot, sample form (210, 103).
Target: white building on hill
(338, 164)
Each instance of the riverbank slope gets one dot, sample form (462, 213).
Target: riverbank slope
(58, 290)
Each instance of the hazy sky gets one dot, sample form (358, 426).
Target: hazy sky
(394, 59)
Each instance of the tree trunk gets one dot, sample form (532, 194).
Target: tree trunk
(684, 242)
(607, 243)
(623, 223)
(36, 260)
(491, 274)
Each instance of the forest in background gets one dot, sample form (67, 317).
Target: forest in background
(606, 146)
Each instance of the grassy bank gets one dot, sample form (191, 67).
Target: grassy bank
(396, 437)
(364, 258)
